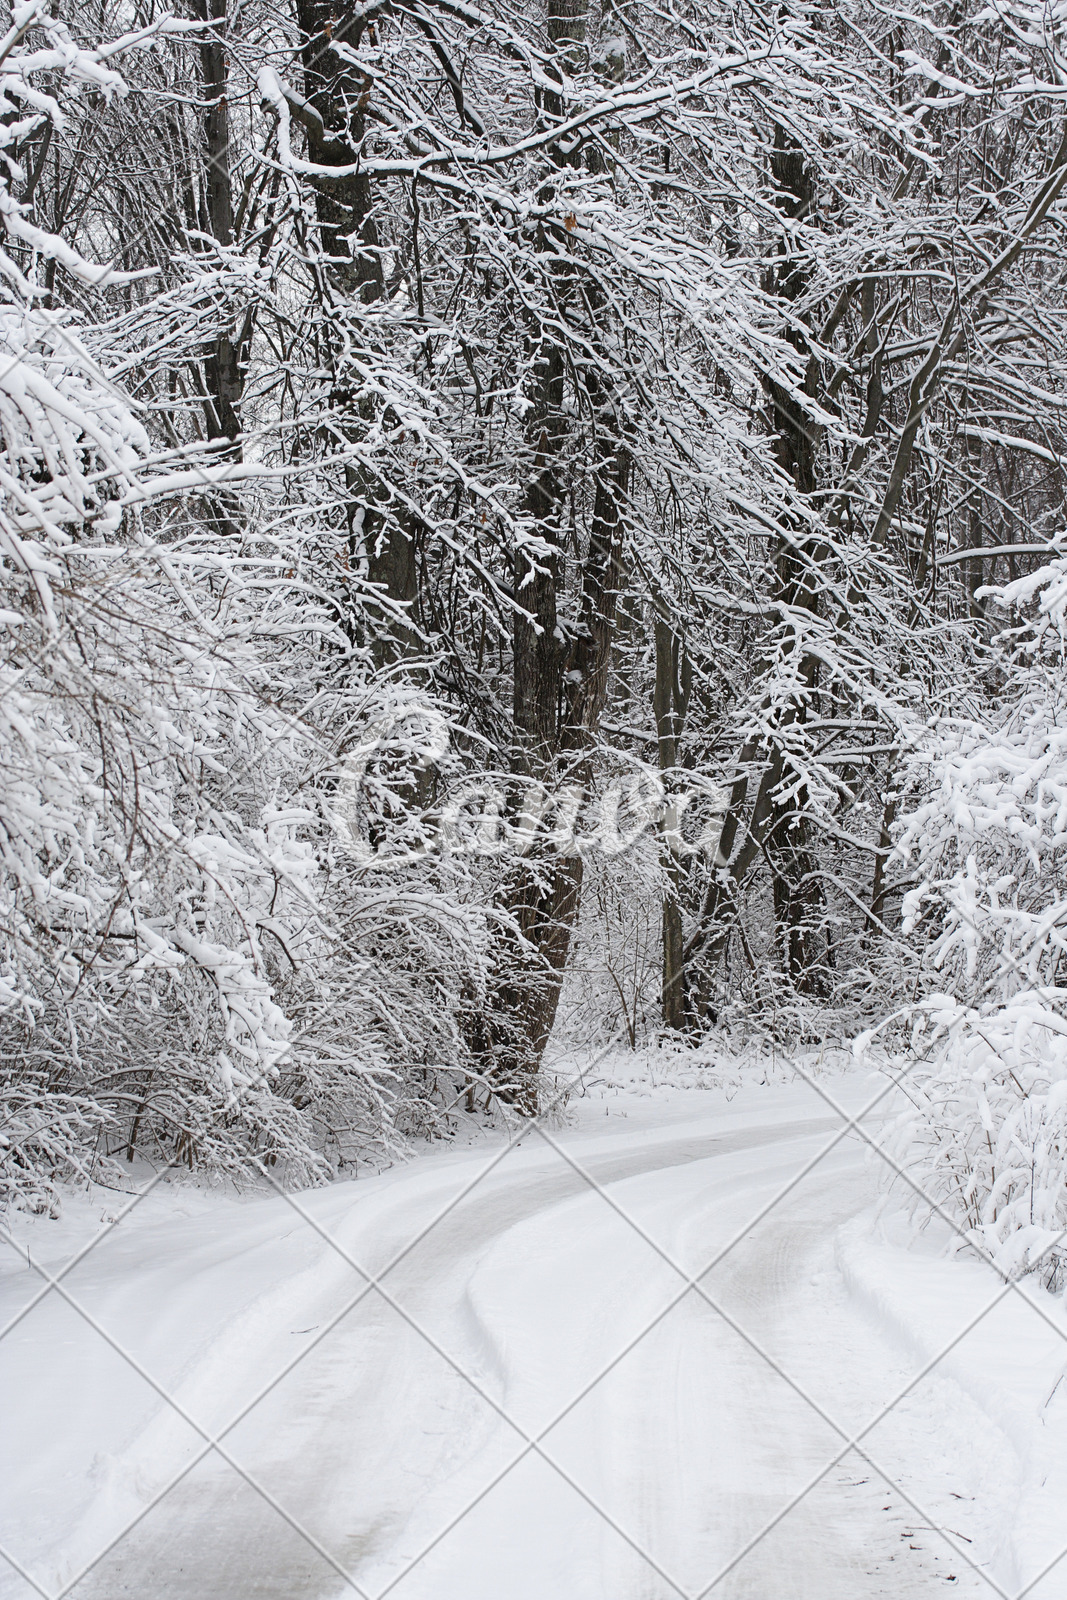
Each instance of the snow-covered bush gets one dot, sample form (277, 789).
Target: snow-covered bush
(192, 966)
(985, 1135)
(186, 953)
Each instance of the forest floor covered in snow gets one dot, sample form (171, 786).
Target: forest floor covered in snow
(620, 1358)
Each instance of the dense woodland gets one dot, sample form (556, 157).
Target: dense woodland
(522, 528)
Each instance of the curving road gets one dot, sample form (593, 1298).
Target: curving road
(400, 1441)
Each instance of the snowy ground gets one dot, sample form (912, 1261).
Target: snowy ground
(535, 1403)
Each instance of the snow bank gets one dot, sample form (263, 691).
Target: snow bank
(1006, 1349)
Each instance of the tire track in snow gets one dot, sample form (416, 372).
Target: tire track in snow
(532, 1283)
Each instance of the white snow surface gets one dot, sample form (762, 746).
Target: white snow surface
(535, 1402)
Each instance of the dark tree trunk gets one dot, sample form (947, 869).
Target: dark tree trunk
(335, 121)
(560, 678)
(777, 829)
(223, 369)
(669, 698)
(786, 836)
(560, 689)
(334, 117)
(879, 887)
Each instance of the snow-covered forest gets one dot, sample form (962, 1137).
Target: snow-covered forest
(533, 799)
(521, 525)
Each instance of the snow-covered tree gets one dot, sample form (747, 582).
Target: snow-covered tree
(637, 393)
(985, 1135)
(191, 964)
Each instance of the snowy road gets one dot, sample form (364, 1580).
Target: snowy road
(407, 1457)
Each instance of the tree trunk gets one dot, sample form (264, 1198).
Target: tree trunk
(560, 683)
(876, 919)
(334, 117)
(777, 829)
(335, 122)
(223, 373)
(669, 697)
(560, 690)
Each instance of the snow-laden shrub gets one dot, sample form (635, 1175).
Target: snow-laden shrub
(192, 965)
(125, 721)
(44, 1136)
(985, 1135)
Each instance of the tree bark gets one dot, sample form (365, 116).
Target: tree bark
(560, 682)
(334, 117)
(335, 121)
(669, 697)
(785, 834)
(223, 368)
